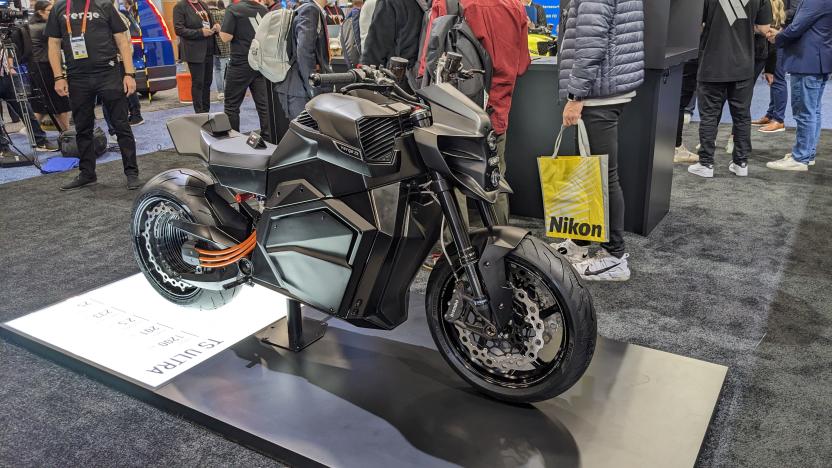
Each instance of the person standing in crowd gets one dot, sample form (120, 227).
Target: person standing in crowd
(393, 32)
(365, 18)
(238, 28)
(689, 71)
(40, 72)
(536, 14)
(7, 93)
(601, 66)
(197, 47)
(334, 15)
(309, 53)
(216, 9)
(807, 57)
(728, 38)
(501, 26)
(91, 36)
(134, 106)
(774, 120)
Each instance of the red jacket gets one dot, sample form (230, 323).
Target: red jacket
(501, 27)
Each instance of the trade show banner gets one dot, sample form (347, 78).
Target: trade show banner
(552, 8)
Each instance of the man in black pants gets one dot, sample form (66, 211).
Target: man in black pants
(726, 73)
(91, 35)
(238, 28)
(689, 71)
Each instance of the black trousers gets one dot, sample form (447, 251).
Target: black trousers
(7, 94)
(602, 128)
(689, 71)
(202, 75)
(109, 87)
(712, 98)
(238, 79)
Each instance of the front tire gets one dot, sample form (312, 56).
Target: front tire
(529, 363)
(157, 245)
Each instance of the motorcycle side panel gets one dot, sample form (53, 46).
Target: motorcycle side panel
(352, 257)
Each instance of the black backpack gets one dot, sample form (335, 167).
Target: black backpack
(350, 45)
(69, 147)
(451, 33)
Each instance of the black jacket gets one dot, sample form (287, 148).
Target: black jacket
(40, 43)
(193, 46)
(394, 32)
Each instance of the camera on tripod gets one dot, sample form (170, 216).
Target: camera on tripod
(9, 16)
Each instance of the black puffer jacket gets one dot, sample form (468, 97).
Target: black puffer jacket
(394, 32)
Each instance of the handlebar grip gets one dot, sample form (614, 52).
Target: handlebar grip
(332, 79)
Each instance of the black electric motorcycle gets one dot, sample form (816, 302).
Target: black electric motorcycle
(341, 214)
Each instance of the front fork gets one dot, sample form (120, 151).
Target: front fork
(468, 257)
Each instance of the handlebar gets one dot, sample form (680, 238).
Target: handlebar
(334, 79)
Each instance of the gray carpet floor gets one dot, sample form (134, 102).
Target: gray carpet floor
(738, 273)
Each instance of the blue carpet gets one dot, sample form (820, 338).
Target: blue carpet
(150, 137)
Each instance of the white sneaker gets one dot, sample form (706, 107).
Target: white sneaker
(701, 171)
(740, 171)
(687, 118)
(683, 155)
(789, 156)
(572, 251)
(787, 164)
(604, 267)
(112, 140)
(221, 96)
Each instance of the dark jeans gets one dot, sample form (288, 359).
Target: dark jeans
(602, 127)
(7, 94)
(202, 75)
(712, 98)
(108, 86)
(134, 108)
(689, 72)
(779, 93)
(238, 79)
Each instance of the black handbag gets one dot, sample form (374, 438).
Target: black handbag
(69, 147)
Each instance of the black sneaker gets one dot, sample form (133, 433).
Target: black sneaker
(135, 120)
(78, 182)
(46, 147)
(133, 182)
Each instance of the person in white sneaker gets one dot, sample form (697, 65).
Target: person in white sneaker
(726, 73)
(603, 266)
(573, 252)
(682, 154)
(807, 57)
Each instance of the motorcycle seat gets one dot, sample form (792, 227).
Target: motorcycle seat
(234, 152)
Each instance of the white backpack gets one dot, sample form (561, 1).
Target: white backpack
(269, 52)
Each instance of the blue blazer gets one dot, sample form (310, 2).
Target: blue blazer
(807, 41)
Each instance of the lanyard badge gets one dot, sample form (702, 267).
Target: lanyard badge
(78, 43)
(203, 15)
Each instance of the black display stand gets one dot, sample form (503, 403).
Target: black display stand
(647, 130)
(294, 332)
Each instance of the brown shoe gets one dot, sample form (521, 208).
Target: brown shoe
(773, 127)
(761, 122)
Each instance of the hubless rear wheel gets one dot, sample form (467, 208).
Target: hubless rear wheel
(548, 344)
(177, 194)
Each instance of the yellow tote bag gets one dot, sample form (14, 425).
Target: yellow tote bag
(575, 192)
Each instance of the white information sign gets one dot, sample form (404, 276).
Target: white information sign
(127, 328)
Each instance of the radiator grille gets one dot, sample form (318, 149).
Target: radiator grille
(377, 136)
(307, 121)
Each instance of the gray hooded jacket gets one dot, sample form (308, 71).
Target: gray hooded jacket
(602, 53)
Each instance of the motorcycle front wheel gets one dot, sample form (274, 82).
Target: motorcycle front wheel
(549, 342)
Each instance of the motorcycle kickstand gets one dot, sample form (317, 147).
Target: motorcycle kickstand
(293, 332)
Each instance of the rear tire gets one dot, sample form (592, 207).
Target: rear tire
(566, 305)
(156, 245)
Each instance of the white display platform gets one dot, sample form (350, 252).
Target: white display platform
(128, 329)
